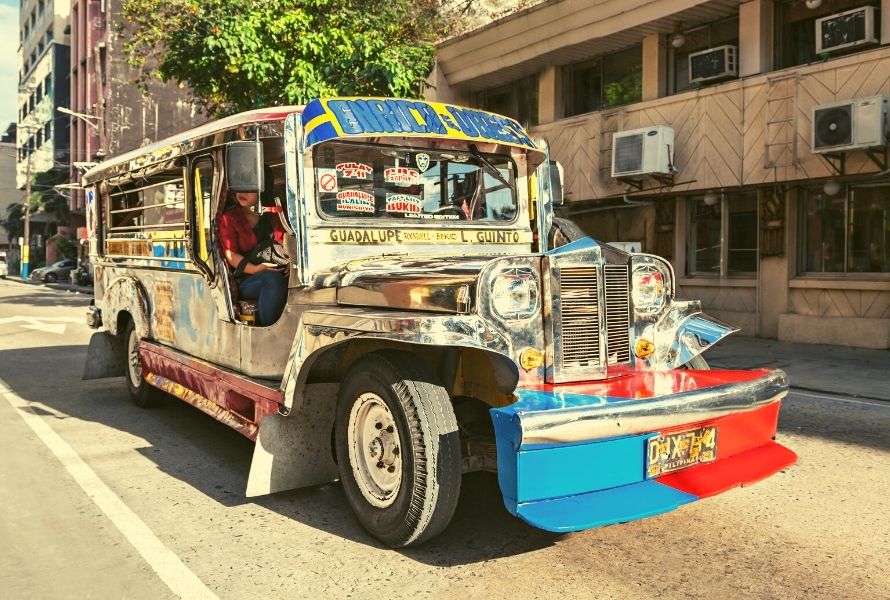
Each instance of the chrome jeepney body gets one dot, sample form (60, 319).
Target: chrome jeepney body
(578, 353)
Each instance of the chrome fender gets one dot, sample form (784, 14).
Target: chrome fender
(683, 333)
(319, 330)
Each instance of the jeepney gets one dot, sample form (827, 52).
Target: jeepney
(436, 322)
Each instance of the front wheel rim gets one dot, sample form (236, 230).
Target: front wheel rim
(375, 453)
(134, 369)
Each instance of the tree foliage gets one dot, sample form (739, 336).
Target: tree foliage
(236, 55)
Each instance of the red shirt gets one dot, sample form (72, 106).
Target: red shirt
(236, 234)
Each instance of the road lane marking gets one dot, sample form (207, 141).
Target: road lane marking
(172, 571)
(41, 324)
(880, 403)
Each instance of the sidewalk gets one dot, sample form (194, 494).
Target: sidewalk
(67, 287)
(859, 372)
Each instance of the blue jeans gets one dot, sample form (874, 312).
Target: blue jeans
(270, 289)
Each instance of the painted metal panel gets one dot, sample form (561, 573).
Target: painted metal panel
(725, 474)
(617, 505)
(576, 469)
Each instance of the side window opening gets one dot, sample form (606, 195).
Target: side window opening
(147, 220)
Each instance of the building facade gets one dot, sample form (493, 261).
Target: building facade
(115, 115)
(44, 57)
(774, 237)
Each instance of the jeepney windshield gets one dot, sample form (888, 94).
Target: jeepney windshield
(386, 182)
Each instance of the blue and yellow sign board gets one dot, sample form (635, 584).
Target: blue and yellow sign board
(333, 118)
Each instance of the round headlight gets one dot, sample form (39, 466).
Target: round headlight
(514, 295)
(650, 290)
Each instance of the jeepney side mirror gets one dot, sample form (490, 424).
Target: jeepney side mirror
(556, 174)
(244, 166)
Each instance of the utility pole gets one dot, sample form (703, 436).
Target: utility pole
(100, 100)
(26, 214)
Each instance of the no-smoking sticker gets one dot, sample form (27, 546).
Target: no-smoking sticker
(327, 180)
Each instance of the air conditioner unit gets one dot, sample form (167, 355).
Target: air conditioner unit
(642, 152)
(714, 63)
(846, 29)
(850, 125)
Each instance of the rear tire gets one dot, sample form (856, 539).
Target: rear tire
(141, 393)
(398, 449)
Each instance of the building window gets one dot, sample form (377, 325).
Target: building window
(517, 99)
(48, 85)
(604, 82)
(795, 29)
(848, 232)
(722, 234)
(48, 131)
(719, 33)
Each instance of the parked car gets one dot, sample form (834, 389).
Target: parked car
(54, 272)
(4, 268)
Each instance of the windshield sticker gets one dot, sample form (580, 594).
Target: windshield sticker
(403, 203)
(352, 170)
(422, 160)
(402, 175)
(355, 201)
(327, 180)
(425, 236)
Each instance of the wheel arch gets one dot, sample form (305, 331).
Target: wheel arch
(126, 298)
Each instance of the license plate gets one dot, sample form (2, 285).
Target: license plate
(677, 451)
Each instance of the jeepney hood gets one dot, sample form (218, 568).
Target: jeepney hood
(437, 284)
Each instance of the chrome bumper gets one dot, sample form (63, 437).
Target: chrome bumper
(553, 417)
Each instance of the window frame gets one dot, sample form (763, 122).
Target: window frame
(848, 194)
(570, 71)
(782, 29)
(724, 200)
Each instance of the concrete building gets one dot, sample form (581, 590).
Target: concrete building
(774, 235)
(116, 116)
(43, 86)
(9, 193)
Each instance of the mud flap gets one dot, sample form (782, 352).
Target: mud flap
(105, 357)
(295, 451)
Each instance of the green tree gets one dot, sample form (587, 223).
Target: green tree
(236, 55)
(46, 195)
(12, 222)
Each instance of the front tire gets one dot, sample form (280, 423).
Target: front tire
(398, 449)
(141, 393)
(50, 278)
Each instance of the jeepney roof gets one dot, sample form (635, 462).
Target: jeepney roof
(167, 146)
(327, 119)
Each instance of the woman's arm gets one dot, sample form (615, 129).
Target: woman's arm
(234, 259)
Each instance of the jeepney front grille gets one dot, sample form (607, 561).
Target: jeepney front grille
(617, 314)
(580, 316)
(579, 319)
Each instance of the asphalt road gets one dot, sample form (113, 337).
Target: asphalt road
(102, 500)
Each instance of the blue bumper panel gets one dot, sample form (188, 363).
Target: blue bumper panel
(568, 470)
(606, 507)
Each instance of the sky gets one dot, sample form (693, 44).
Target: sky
(9, 45)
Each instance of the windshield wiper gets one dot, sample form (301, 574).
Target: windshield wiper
(490, 168)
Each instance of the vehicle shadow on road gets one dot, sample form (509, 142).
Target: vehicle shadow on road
(48, 300)
(214, 459)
